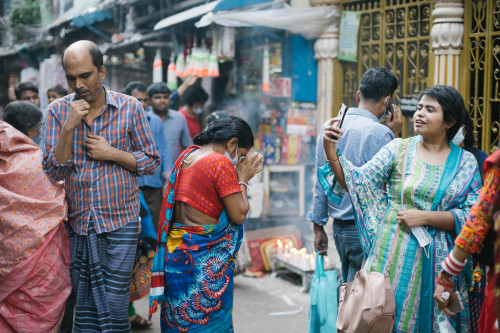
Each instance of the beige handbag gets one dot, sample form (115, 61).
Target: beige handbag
(367, 304)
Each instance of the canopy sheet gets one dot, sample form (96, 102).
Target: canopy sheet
(309, 22)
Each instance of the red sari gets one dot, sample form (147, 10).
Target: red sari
(483, 216)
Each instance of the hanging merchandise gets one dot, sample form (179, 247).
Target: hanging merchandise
(180, 66)
(171, 78)
(200, 62)
(226, 44)
(213, 65)
(157, 68)
(189, 70)
(196, 60)
(204, 61)
(265, 71)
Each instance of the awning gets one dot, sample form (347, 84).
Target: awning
(92, 17)
(134, 40)
(186, 15)
(232, 4)
(88, 17)
(309, 22)
(12, 50)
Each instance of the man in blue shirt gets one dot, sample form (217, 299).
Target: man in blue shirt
(363, 137)
(174, 123)
(152, 186)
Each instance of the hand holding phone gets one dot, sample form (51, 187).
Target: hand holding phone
(455, 304)
(334, 133)
(341, 115)
(389, 108)
(394, 118)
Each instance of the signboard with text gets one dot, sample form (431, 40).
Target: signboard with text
(349, 33)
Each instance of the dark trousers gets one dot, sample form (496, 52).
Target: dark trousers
(154, 199)
(69, 313)
(349, 249)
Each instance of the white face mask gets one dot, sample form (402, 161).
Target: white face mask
(235, 159)
(459, 137)
(198, 111)
(422, 235)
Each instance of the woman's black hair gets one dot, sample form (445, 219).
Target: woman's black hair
(452, 104)
(223, 130)
(23, 116)
(469, 140)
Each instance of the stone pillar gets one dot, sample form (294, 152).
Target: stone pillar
(447, 40)
(325, 52)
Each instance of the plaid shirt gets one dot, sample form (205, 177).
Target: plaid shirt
(102, 191)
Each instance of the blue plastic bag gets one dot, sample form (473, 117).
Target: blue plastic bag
(147, 227)
(323, 296)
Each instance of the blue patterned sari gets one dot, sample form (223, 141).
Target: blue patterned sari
(192, 276)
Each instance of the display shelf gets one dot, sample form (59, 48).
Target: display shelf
(284, 187)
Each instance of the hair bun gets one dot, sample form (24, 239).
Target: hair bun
(200, 139)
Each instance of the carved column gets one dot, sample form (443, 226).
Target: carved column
(447, 40)
(325, 52)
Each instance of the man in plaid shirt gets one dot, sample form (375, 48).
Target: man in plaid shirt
(98, 141)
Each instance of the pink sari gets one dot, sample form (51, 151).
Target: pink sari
(34, 249)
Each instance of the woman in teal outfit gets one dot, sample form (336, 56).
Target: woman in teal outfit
(441, 185)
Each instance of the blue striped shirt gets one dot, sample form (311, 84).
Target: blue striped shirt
(363, 137)
(102, 191)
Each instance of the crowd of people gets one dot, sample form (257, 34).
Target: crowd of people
(112, 196)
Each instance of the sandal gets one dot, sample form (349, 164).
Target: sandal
(137, 321)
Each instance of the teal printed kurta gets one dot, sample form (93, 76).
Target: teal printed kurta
(414, 269)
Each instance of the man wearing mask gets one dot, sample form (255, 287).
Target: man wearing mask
(174, 123)
(195, 98)
(363, 137)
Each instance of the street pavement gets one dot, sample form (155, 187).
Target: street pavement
(263, 305)
(266, 304)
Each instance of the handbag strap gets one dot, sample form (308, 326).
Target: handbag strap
(398, 227)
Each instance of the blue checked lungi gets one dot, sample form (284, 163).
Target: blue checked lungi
(101, 266)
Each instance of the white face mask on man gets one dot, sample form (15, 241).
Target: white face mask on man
(459, 137)
(198, 111)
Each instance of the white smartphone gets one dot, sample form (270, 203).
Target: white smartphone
(341, 115)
